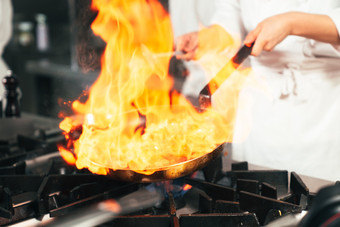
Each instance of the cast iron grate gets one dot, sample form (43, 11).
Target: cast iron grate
(35, 181)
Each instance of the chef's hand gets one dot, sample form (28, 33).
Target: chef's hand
(188, 45)
(275, 29)
(269, 33)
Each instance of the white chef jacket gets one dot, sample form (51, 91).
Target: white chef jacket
(5, 34)
(294, 124)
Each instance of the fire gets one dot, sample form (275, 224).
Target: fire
(67, 155)
(131, 120)
(187, 187)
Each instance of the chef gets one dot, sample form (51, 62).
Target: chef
(295, 123)
(5, 31)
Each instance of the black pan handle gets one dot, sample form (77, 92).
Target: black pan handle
(204, 98)
(243, 53)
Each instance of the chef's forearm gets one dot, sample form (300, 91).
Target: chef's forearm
(314, 26)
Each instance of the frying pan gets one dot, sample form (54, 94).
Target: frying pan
(168, 172)
(184, 168)
(187, 167)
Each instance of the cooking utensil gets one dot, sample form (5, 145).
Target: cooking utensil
(205, 94)
(168, 172)
(160, 174)
(183, 168)
(190, 166)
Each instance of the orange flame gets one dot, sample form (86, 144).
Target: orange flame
(67, 155)
(131, 120)
(187, 187)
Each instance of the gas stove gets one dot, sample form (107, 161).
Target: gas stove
(39, 188)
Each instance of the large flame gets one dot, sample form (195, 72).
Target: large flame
(131, 120)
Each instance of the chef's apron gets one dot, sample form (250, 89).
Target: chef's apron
(288, 114)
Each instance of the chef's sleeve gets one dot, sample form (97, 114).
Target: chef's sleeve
(228, 16)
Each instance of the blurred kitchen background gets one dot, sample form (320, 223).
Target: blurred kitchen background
(48, 64)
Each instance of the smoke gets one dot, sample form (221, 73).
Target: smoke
(89, 47)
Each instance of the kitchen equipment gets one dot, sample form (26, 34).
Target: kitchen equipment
(187, 167)
(184, 168)
(165, 172)
(190, 166)
(168, 172)
(159, 173)
(325, 210)
(47, 187)
(204, 97)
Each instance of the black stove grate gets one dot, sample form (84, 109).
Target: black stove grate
(35, 181)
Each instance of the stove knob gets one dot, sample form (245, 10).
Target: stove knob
(325, 209)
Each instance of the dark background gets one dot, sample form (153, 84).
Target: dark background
(52, 78)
